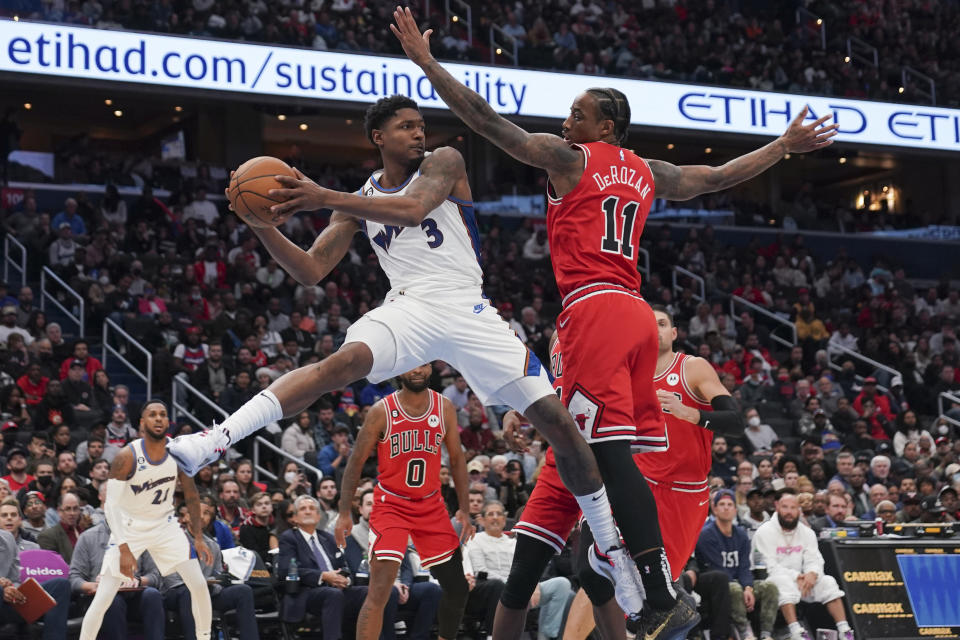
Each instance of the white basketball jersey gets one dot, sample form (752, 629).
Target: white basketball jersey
(442, 253)
(148, 496)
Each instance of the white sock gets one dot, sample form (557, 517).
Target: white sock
(93, 618)
(843, 626)
(596, 509)
(200, 604)
(258, 412)
(796, 629)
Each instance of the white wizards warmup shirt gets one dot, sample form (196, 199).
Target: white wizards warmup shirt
(148, 497)
(441, 255)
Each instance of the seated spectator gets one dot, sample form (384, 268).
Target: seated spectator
(190, 355)
(760, 434)
(81, 353)
(144, 603)
(62, 537)
(326, 424)
(835, 516)
(55, 620)
(231, 597)
(457, 392)
(256, 532)
(34, 508)
(887, 511)
(327, 498)
(332, 459)
(11, 521)
(474, 437)
(213, 526)
(324, 591)
(491, 552)
(33, 384)
(17, 476)
(298, 439)
(230, 510)
(723, 546)
(795, 566)
(911, 511)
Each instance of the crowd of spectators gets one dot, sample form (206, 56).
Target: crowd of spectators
(728, 42)
(198, 290)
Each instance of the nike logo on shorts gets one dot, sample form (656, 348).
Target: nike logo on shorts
(704, 502)
(563, 322)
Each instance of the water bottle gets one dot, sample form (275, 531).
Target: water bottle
(292, 583)
(362, 576)
(759, 566)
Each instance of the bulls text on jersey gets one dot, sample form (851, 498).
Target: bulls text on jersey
(412, 440)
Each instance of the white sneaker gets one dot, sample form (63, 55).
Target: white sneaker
(197, 450)
(618, 567)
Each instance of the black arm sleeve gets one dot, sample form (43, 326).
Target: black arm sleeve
(725, 418)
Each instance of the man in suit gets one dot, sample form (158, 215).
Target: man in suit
(323, 590)
(62, 537)
(834, 517)
(147, 603)
(55, 620)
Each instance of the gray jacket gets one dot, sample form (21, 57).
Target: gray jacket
(174, 580)
(9, 557)
(88, 559)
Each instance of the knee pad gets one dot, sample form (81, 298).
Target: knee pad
(529, 560)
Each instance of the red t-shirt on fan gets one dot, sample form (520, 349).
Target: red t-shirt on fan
(408, 455)
(594, 231)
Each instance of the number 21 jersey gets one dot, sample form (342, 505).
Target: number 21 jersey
(408, 454)
(594, 231)
(148, 496)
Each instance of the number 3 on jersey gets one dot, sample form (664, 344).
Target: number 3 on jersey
(416, 470)
(612, 244)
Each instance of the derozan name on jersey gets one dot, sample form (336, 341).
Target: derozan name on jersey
(407, 441)
(622, 175)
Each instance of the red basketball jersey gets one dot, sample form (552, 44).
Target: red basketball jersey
(594, 231)
(556, 368)
(689, 456)
(408, 455)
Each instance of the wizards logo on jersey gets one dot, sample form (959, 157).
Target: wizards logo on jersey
(150, 484)
(412, 440)
(385, 237)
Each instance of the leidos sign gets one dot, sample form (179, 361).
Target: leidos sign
(193, 63)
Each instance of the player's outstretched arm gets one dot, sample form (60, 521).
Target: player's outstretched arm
(439, 172)
(311, 266)
(458, 467)
(726, 417)
(192, 498)
(541, 150)
(367, 439)
(684, 182)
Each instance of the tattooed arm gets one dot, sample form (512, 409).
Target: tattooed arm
(439, 172)
(309, 267)
(541, 150)
(685, 182)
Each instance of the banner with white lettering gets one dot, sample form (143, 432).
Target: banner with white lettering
(196, 63)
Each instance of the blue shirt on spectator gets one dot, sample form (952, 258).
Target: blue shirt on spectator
(716, 551)
(373, 392)
(325, 458)
(77, 225)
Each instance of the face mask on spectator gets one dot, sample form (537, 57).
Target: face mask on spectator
(290, 476)
(754, 421)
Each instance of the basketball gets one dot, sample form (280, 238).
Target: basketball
(250, 186)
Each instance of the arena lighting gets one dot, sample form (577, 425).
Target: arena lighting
(786, 156)
(819, 21)
(178, 108)
(303, 126)
(118, 113)
(459, 138)
(108, 102)
(499, 50)
(455, 18)
(846, 58)
(16, 18)
(281, 117)
(843, 160)
(27, 106)
(670, 146)
(900, 90)
(708, 150)
(885, 189)
(349, 121)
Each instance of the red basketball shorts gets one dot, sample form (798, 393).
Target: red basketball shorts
(681, 512)
(608, 336)
(551, 511)
(395, 520)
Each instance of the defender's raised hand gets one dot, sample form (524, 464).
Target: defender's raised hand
(800, 138)
(415, 45)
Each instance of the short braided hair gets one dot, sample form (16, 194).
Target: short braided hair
(614, 106)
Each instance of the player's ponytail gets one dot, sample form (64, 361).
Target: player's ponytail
(614, 106)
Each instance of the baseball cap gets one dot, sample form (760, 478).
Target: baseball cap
(869, 380)
(17, 451)
(942, 440)
(911, 498)
(754, 492)
(505, 306)
(932, 504)
(9, 424)
(64, 225)
(474, 465)
(7, 309)
(884, 447)
(723, 493)
(194, 329)
(77, 363)
(802, 290)
(896, 381)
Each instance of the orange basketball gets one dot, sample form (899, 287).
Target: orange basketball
(250, 186)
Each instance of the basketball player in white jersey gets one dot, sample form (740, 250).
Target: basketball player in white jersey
(140, 512)
(418, 214)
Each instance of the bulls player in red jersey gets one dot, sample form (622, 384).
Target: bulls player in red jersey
(408, 428)
(696, 405)
(599, 195)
